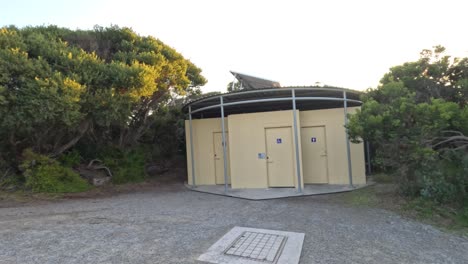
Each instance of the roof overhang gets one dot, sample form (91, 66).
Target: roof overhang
(272, 99)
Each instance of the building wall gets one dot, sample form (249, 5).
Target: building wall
(246, 139)
(203, 149)
(333, 120)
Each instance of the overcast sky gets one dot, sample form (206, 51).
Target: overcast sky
(342, 43)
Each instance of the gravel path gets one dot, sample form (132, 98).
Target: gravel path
(177, 225)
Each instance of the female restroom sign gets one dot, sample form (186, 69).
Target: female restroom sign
(313, 139)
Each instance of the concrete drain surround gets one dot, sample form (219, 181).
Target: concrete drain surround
(242, 245)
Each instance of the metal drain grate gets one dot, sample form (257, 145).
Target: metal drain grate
(257, 246)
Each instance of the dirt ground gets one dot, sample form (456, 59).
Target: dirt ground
(171, 224)
(160, 221)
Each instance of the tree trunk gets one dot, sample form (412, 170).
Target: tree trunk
(81, 131)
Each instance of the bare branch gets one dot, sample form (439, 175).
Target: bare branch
(461, 147)
(451, 139)
(453, 132)
(82, 130)
(92, 161)
(98, 167)
(5, 174)
(103, 168)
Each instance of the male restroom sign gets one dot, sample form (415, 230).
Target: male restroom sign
(313, 139)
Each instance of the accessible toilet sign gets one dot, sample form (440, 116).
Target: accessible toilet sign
(278, 141)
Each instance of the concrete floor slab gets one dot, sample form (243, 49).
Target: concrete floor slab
(275, 193)
(255, 246)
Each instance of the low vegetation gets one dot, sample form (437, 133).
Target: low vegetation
(386, 195)
(43, 174)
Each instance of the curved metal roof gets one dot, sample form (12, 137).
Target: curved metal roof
(272, 99)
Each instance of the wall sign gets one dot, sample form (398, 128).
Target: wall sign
(313, 139)
(278, 141)
(261, 155)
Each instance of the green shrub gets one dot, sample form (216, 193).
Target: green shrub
(9, 178)
(384, 178)
(71, 158)
(126, 166)
(11, 181)
(166, 135)
(462, 218)
(46, 175)
(445, 178)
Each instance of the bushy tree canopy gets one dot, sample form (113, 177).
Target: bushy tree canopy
(417, 122)
(58, 86)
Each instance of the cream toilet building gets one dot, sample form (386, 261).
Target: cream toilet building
(266, 136)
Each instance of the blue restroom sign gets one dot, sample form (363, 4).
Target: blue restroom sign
(313, 139)
(278, 141)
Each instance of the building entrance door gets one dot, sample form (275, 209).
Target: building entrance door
(314, 154)
(218, 157)
(279, 148)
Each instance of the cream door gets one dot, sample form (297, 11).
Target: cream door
(279, 148)
(314, 154)
(218, 157)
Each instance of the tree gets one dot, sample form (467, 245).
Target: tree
(434, 75)
(234, 86)
(59, 86)
(416, 120)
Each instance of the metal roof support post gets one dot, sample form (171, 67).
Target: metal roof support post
(369, 169)
(296, 142)
(191, 146)
(348, 148)
(224, 145)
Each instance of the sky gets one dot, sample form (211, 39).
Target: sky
(349, 44)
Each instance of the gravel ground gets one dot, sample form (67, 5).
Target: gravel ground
(176, 225)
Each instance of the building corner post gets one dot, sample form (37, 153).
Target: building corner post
(296, 142)
(224, 145)
(369, 169)
(348, 147)
(191, 147)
